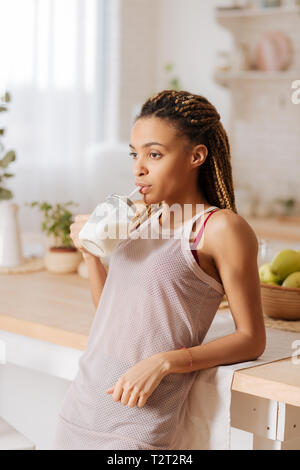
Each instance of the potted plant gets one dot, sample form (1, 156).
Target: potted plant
(61, 255)
(10, 241)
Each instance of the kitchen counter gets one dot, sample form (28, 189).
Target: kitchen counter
(59, 309)
(279, 228)
(45, 321)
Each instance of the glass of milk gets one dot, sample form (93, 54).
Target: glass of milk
(108, 224)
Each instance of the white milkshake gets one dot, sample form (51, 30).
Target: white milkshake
(108, 224)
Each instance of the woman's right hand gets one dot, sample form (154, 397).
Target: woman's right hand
(75, 228)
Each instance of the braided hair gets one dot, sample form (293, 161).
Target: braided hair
(194, 117)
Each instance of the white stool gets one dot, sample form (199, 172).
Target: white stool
(11, 439)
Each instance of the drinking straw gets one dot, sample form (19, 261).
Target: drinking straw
(133, 192)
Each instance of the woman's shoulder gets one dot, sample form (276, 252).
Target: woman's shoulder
(228, 218)
(226, 228)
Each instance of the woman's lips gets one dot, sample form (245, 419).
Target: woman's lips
(145, 189)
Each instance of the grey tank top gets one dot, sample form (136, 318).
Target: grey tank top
(156, 298)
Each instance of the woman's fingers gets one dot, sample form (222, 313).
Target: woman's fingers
(116, 396)
(125, 396)
(75, 228)
(142, 399)
(82, 217)
(128, 397)
(134, 397)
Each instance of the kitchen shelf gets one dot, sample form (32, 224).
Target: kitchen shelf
(255, 12)
(224, 78)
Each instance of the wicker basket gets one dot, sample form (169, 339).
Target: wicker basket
(280, 302)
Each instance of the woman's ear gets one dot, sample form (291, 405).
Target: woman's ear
(199, 155)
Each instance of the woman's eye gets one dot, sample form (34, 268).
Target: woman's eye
(155, 153)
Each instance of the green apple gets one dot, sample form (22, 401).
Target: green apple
(292, 280)
(267, 276)
(285, 262)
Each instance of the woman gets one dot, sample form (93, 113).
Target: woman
(160, 295)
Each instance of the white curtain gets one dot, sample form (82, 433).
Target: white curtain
(52, 55)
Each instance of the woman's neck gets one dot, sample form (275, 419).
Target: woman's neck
(181, 211)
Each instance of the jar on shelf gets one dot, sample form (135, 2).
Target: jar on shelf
(240, 57)
(271, 3)
(223, 63)
(242, 4)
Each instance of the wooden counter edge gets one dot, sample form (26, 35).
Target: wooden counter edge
(43, 332)
(246, 382)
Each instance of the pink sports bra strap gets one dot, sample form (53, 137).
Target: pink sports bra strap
(198, 237)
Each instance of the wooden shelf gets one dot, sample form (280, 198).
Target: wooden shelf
(224, 78)
(255, 12)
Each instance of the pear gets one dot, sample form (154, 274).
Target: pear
(267, 276)
(285, 262)
(292, 280)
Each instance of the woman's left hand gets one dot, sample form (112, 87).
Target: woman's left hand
(139, 382)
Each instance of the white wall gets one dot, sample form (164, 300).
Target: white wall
(189, 36)
(152, 33)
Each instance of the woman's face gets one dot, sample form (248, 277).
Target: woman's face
(160, 159)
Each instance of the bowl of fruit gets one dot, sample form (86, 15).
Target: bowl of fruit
(280, 285)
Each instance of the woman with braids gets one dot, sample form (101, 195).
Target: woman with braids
(161, 294)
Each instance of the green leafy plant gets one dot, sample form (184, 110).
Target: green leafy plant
(6, 158)
(57, 221)
(174, 82)
(288, 204)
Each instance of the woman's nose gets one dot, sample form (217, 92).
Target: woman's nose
(140, 169)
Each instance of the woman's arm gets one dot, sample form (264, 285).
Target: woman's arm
(96, 270)
(233, 245)
(97, 276)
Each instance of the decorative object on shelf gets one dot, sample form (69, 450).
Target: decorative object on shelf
(234, 5)
(240, 58)
(274, 52)
(223, 61)
(10, 239)
(270, 3)
(61, 254)
(29, 265)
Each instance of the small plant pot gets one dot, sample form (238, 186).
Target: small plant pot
(62, 260)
